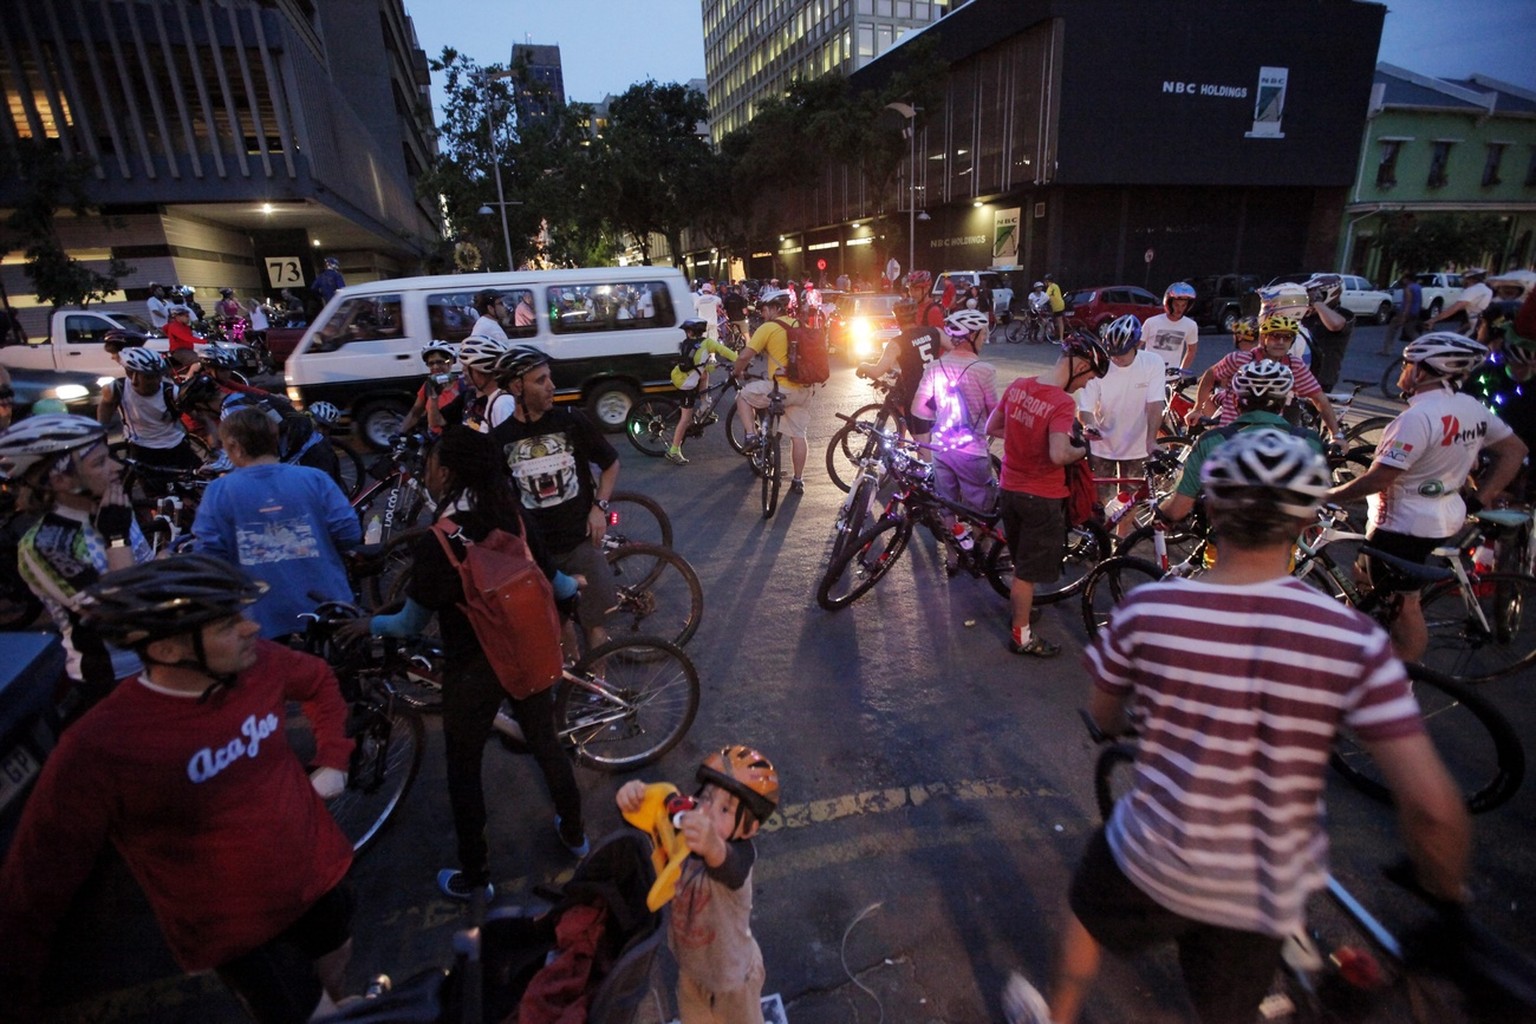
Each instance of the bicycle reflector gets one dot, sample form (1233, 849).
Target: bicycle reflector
(613, 517)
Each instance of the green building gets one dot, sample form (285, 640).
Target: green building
(1435, 147)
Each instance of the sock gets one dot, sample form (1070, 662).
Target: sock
(1021, 635)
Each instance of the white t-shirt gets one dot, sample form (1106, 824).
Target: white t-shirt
(1118, 402)
(1476, 296)
(1435, 443)
(1169, 338)
(489, 327)
(159, 312)
(707, 308)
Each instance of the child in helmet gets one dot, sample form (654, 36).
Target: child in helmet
(691, 376)
(720, 967)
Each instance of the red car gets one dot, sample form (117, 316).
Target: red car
(1096, 307)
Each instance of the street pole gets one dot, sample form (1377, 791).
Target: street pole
(501, 198)
(910, 112)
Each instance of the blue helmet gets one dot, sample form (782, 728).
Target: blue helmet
(1122, 335)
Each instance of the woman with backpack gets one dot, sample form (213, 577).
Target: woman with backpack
(467, 478)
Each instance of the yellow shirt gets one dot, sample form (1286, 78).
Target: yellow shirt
(772, 340)
(1053, 293)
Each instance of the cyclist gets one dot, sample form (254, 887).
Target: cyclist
(706, 308)
(772, 340)
(183, 342)
(929, 313)
(228, 306)
(467, 478)
(736, 315)
(1122, 411)
(1172, 334)
(184, 770)
(1245, 337)
(1220, 840)
(1424, 458)
(691, 377)
(483, 405)
(1058, 305)
(912, 351)
(1328, 327)
(1277, 332)
(60, 465)
(1263, 390)
(439, 393)
(492, 307)
(1041, 436)
(147, 403)
(113, 343)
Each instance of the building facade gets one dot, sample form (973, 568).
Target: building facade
(1435, 148)
(1109, 141)
(753, 49)
(231, 144)
(538, 82)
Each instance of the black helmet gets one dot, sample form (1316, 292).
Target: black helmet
(119, 339)
(519, 359)
(1086, 346)
(693, 325)
(166, 597)
(201, 392)
(228, 293)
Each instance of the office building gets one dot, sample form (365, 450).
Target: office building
(538, 83)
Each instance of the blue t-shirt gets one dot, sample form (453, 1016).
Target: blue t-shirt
(287, 526)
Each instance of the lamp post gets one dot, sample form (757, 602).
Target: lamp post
(501, 199)
(910, 112)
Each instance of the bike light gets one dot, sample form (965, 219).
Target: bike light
(613, 518)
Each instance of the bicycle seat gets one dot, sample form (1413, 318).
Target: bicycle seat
(1510, 517)
(1423, 575)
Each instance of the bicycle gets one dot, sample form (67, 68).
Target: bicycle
(387, 733)
(766, 459)
(397, 499)
(844, 452)
(652, 422)
(1012, 329)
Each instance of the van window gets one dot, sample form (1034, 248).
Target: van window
(575, 309)
(451, 315)
(364, 318)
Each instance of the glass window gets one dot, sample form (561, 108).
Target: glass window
(1491, 165)
(451, 315)
(1386, 170)
(1530, 169)
(85, 330)
(903, 8)
(920, 10)
(575, 309)
(883, 8)
(866, 41)
(1438, 159)
(883, 38)
(370, 318)
(866, 6)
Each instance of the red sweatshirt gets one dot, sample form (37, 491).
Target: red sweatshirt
(207, 804)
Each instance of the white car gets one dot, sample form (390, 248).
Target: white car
(1370, 304)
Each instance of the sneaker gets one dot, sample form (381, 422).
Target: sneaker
(453, 886)
(676, 457)
(797, 486)
(1023, 1003)
(580, 847)
(1036, 646)
(751, 443)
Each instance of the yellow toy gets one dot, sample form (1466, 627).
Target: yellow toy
(668, 847)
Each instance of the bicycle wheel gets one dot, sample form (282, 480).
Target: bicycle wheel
(997, 563)
(626, 703)
(1367, 433)
(1087, 545)
(733, 434)
(1107, 585)
(1181, 540)
(389, 583)
(852, 517)
(351, 468)
(860, 567)
(1014, 331)
(652, 424)
(1462, 646)
(1389, 377)
(1112, 774)
(384, 763)
(1478, 745)
(399, 507)
(772, 471)
(635, 518)
(849, 446)
(659, 594)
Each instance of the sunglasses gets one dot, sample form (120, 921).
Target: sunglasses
(439, 362)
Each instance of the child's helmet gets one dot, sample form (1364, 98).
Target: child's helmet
(745, 774)
(1245, 328)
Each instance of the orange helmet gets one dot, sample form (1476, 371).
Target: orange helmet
(745, 774)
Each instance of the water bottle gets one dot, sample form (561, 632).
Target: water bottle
(963, 536)
(1113, 506)
(374, 530)
(1482, 564)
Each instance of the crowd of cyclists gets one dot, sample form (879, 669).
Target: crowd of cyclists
(191, 641)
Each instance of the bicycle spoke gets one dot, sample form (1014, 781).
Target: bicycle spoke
(1495, 638)
(659, 594)
(627, 704)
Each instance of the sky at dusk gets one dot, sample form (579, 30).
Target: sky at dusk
(608, 45)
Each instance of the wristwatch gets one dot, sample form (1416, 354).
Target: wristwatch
(600, 503)
(117, 542)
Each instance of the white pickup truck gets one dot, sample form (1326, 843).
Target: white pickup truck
(74, 343)
(1440, 290)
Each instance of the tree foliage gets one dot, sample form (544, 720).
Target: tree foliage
(1413, 242)
(52, 183)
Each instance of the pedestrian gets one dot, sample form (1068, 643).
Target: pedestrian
(183, 769)
(551, 451)
(1122, 413)
(771, 340)
(719, 965)
(284, 525)
(1041, 436)
(1474, 298)
(706, 307)
(1239, 680)
(1329, 326)
(467, 479)
(159, 308)
(1405, 319)
(912, 351)
(690, 375)
(492, 307)
(1172, 334)
(1422, 462)
(329, 281)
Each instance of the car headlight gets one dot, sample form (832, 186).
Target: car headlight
(105, 382)
(70, 392)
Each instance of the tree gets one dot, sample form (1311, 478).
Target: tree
(52, 182)
(1412, 243)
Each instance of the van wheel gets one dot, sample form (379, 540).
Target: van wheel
(377, 422)
(610, 403)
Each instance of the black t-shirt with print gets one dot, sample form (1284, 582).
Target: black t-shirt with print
(550, 460)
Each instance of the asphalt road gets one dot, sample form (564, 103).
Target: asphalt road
(937, 790)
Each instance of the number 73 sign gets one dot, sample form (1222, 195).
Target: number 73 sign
(285, 271)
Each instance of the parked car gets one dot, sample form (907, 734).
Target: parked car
(1096, 307)
(863, 324)
(74, 344)
(1002, 291)
(1219, 299)
(1370, 304)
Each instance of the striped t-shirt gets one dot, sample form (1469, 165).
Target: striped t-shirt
(1239, 691)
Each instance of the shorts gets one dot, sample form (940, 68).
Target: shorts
(1124, 469)
(277, 981)
(1386, 579)
(797, 404)
(1036, 531)
(600, 595)
(1226, 970)
(966, 478)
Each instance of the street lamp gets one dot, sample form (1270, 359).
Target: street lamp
(501, 199)
(910, 112)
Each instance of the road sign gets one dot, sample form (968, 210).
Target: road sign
(821, 264)
(1149, 255)
(892, 270)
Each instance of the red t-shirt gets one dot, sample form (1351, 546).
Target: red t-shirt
(1032, 412)
(180, 335)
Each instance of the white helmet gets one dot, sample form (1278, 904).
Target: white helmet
(1289, 299)
(777, 295)
(142, 360)
(1447, 353)
(962, 323)
(481, 353)
(324, 413)
(442, 347)
(1265, 380)
(43, 438)
(1266, 469)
